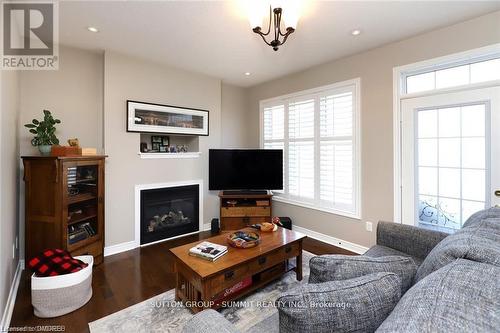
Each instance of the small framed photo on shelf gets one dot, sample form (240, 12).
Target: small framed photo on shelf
(156, 139)
(160, 143)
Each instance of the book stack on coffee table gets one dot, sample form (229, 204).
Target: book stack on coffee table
(208, 251)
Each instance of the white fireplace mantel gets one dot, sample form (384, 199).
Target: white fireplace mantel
(139, 188)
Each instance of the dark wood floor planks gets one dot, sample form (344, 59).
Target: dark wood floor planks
(123, 280)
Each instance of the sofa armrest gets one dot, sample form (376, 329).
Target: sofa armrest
(416, 242)
(209, 321)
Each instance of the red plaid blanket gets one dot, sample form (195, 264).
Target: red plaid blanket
(53, 262)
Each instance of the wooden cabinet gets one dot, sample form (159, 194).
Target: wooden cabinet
(241, 210)
(64, 204)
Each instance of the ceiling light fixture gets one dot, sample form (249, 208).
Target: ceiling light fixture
(355, 32)
(278, 19)
(92, 29)
(247, 73)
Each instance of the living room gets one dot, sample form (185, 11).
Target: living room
(143, 101)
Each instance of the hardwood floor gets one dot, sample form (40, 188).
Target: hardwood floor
(123, 280)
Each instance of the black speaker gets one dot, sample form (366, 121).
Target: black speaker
(215, 226)
(286, 222)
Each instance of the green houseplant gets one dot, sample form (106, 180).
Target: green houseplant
(44, 131)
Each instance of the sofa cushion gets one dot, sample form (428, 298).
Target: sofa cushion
(209, 321)
(342, 267)
(382, 251)
(355, 305)
(463, 296)
(479, 242)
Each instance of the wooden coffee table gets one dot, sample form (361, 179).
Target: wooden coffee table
(200, 282)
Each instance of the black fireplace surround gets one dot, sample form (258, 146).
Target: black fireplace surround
(169, 212)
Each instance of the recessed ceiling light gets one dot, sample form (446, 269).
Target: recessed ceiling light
(247, 73)
(92, 29)
(355, 32)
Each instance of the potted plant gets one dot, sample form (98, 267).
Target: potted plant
(44, 131)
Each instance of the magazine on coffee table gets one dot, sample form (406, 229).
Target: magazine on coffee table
(208, 251)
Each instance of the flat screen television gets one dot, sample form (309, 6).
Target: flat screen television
(245, 169)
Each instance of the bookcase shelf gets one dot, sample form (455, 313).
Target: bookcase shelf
(81, 198)
(81, 219)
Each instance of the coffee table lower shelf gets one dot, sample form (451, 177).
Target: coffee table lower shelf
(192, 297)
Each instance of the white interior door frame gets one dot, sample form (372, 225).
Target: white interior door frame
(399, 95)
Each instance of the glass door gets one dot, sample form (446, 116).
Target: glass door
(82, 208)
(450, 157)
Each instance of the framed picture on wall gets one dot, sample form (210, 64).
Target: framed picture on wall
(156, 118)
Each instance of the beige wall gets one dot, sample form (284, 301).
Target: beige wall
(375, 70)
(9, 175)
(131, 78)
(73, 94)
(235, 117)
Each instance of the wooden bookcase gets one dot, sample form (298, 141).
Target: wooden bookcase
(64, 204)
(241, 210)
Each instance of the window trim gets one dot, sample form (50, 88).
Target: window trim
(399, 94)
(447, 62)
(356, 141)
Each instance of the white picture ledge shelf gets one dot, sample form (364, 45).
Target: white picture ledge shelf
(169, 155)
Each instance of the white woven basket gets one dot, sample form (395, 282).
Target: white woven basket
(54, 296)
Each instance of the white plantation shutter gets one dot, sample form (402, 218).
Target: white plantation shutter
(301, 120)
(301, 149)
(274, 122)
(336, 174)
(336, 150)
(274, 129)
(301, 169)
(318, 134)
(336, 113)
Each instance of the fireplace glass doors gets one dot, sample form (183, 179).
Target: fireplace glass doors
(169, 212)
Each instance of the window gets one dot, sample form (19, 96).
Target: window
(453, 75)
(318, 132)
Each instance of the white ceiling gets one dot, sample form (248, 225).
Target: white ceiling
(214, 37)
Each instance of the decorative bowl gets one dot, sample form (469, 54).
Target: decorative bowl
(243, 239)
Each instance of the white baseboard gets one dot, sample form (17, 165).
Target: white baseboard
(11, 300)
(122, 247)
(356, 248)
(127, 246)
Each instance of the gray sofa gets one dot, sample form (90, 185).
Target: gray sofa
(453, 283)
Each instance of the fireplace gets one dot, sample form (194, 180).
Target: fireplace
(167, 212)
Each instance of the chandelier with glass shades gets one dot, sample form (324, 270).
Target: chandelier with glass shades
(281, 24)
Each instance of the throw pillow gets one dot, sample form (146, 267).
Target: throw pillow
(342, 267)
(460, 297)
(479, 241)
(355, 305)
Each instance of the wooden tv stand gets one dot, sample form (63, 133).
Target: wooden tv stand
(238, 211)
